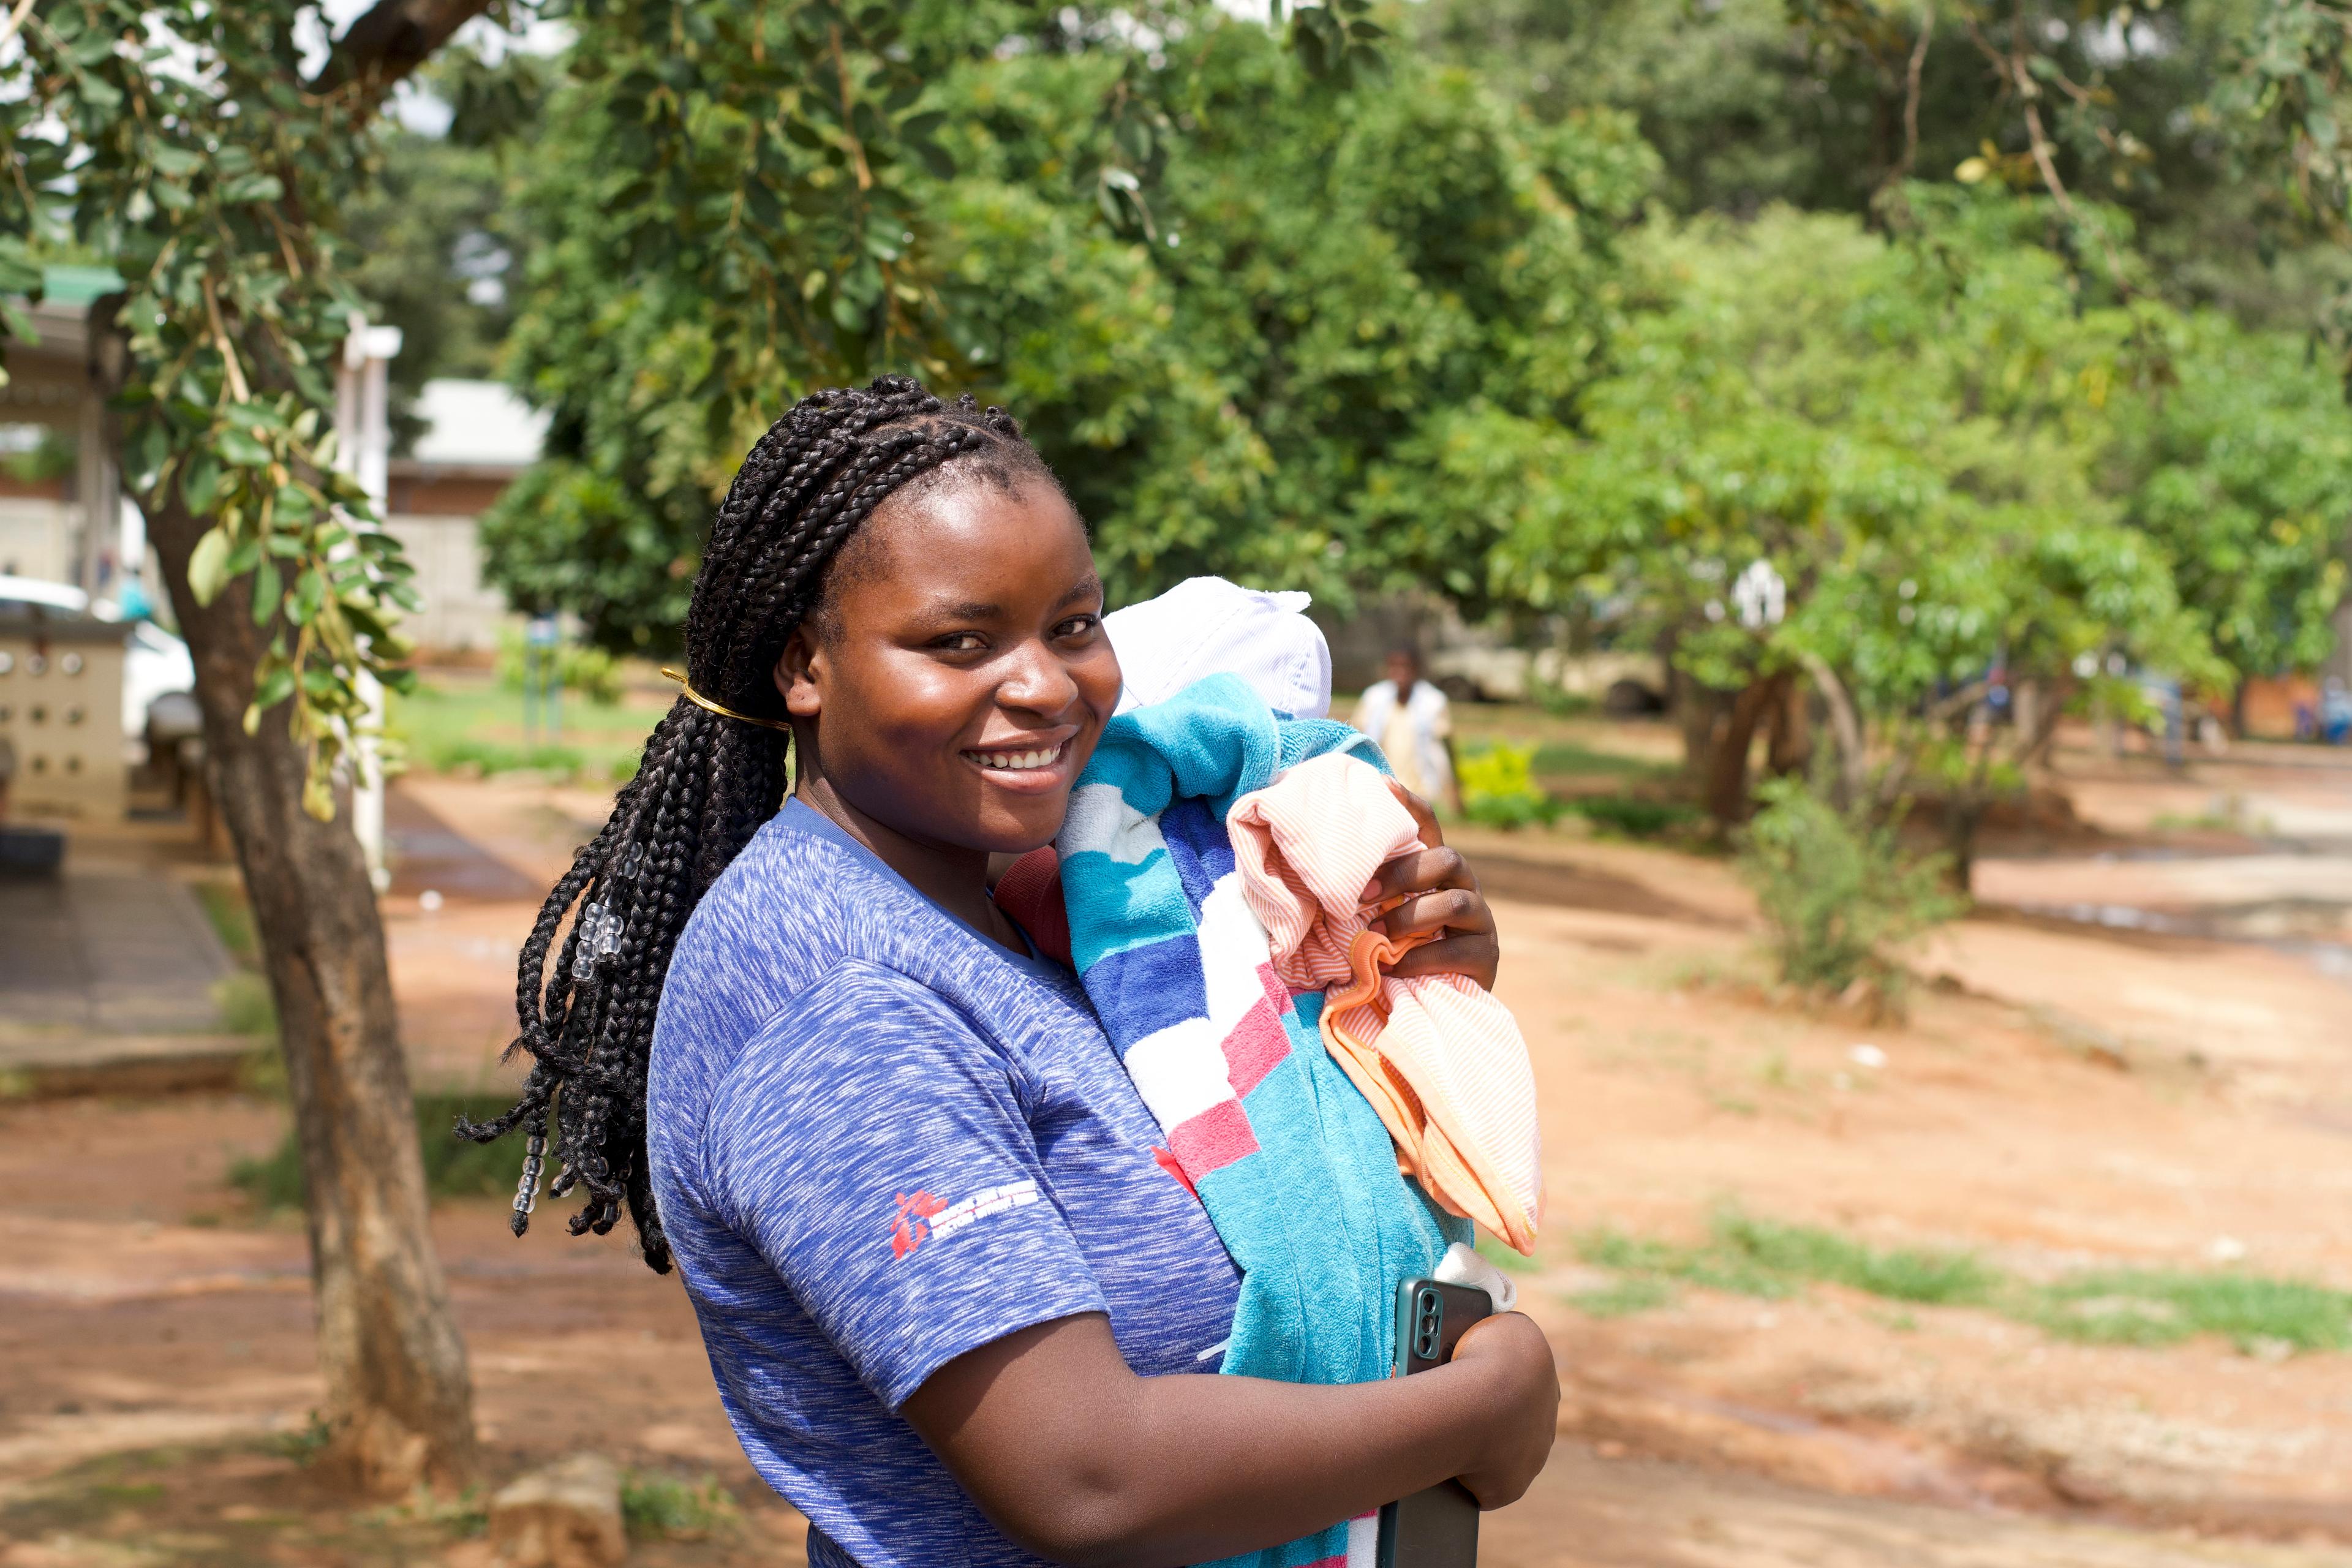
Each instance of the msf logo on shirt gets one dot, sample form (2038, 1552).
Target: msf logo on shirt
(913, 1211)
(921, 1215)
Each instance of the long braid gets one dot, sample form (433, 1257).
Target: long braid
(708, 782)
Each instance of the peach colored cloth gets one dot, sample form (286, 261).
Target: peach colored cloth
(1439, 1059)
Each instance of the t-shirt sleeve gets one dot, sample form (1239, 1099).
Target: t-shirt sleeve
(872, 1147)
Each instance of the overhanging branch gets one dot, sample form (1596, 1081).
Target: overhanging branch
(390, 41)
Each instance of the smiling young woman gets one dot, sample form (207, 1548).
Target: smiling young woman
(953, 1297)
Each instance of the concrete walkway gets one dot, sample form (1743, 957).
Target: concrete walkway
(109, 950)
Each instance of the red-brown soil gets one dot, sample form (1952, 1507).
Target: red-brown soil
(2067, 1096)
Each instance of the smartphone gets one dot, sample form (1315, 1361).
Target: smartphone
(1438, 1526)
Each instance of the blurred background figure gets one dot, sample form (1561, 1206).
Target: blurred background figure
(1413, 723)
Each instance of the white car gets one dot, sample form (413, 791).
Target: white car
(155, 664)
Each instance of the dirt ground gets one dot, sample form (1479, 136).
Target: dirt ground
(2072, 1090)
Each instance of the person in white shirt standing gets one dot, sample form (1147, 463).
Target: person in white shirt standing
(1413, 723)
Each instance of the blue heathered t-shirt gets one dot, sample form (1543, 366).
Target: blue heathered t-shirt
(880, 1140)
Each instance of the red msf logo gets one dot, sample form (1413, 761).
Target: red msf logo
(908, 1231)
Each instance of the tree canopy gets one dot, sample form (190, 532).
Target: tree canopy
(1238, 376)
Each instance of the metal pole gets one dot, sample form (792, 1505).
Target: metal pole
(98, 488)
(363, 450)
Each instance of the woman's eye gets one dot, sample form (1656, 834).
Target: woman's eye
(961, 642)
(1078, 626)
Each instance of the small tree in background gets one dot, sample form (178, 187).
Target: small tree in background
(1839, 895)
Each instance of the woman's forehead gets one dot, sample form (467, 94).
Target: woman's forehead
(980, 543)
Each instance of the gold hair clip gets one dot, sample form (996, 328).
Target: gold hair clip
(708, 706)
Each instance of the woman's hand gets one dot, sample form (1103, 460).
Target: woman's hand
(1509, 1351)
(1440, 894)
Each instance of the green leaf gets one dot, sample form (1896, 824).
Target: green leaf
(274, 685)
(208, 566)
(266, 590)
(200, 483)
(236, 445)
(253, 188)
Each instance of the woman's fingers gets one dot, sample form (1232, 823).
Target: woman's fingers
(1476, 957)
(1419, 872)
(1434, 890)
(1424, 819)
(1435, 894)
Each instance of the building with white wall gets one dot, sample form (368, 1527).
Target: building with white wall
(478, 437)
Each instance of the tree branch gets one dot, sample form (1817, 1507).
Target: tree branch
(16, 19)
(1853, 766)
(389, 41)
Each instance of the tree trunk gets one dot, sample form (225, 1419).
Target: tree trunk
(399, 1402)
(1724, 779)
(1963, 813)
(1789, 734)
(1699, 713)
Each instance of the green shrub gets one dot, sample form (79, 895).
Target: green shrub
(1633, 817)
(1838, 894)
(1558, 700)
(453, 1168)
(661, 1508)
(581, 670)
(246, 1006)
(1499, 788)
(468, 754)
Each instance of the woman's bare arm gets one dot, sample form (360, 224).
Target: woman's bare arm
(1078, 1459)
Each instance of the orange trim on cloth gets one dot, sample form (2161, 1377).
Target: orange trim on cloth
(1439, 1059)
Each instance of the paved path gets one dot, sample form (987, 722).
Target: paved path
(106, 950)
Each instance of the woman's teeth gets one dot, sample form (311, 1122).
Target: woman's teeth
(1016, 761)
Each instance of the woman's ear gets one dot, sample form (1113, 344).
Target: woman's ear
(800, 674)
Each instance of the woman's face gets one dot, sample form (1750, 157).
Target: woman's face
(960, 676)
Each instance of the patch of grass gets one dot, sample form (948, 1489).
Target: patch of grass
(246, 1006)
(1634, 817)
(232, 919)
(307, 1444)
(453, 1168)
(2160, 1306)
(1623, 1298)
(465, 1514)
(1925, 1275)
(663, 1508)
(1746, 1256)
(1500, 1255)
(477, 728)
(1575, 758)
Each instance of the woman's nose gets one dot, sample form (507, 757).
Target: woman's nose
(1037, 680)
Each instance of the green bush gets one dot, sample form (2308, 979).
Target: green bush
(1499, 788)
(453, 1168)
(1838, 894)
(581, 670)
(663, 1508)
(1633, 817)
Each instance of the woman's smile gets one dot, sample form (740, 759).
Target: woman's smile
(1029, 765)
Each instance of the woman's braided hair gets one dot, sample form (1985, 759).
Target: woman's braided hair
(708, 781)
